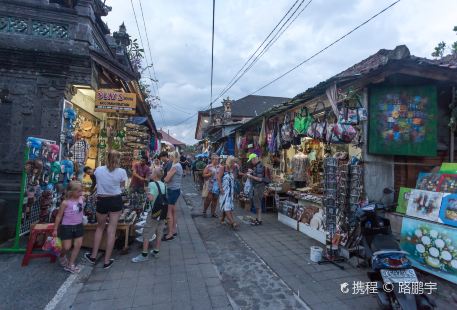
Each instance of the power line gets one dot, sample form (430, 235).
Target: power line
(313, 56)
(258, 48)
(156, 80)
(212, 61)
(273, 40)
(141, 38)
(325, 48)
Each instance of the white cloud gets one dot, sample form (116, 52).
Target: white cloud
(180, 35)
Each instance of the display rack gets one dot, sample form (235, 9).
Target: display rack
(330, 202)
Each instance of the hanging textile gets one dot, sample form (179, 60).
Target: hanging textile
(332, 95)
(300, 167)
(230, 146)
(262, 135)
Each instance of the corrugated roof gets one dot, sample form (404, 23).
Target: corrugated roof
(356, 72)
(170, 139)
(251, 106)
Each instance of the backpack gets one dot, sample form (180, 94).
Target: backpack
(160, 208)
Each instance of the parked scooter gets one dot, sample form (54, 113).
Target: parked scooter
(389, 264)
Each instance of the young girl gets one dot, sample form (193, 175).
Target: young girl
(71, 229)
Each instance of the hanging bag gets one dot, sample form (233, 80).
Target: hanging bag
(286, 133)
(352, 111)
(317, 130)
(302, 121)
(340, 134)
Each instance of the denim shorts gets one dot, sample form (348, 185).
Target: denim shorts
(70, 232)
(173, 195)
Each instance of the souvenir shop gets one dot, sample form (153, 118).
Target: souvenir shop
(304, 146)
(376, 138)
(92, 123)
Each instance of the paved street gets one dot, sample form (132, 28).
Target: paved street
(208, 266)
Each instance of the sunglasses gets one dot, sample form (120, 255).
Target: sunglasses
(80, 207)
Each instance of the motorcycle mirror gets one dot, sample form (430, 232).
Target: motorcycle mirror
(387, 191)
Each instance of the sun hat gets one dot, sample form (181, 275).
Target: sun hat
(252, 156)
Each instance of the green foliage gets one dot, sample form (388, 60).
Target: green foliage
(454, 47)
(439, 50)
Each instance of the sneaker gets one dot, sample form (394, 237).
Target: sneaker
(107, 266)
(154, 254)
(256, 222)
(140, 258)
(89, 259)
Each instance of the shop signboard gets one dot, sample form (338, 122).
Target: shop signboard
(431, 247)
(403, 121)
(111, 101)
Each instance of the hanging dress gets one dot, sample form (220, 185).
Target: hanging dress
(228, 184)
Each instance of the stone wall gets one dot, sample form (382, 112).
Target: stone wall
(44, 49)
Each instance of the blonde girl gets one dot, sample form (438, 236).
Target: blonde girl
(69, 225)
(226, 182)
(110, 182)
(174, 182)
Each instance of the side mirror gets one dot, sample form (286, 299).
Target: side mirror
(387, 191)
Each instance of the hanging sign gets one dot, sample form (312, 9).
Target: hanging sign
(110, 101)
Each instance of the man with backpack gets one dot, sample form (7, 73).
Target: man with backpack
(155, 221)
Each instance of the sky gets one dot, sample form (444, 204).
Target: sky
(179, 32)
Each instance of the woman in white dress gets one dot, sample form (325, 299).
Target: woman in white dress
(226, 182)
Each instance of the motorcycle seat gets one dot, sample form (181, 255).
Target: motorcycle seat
(383, 243)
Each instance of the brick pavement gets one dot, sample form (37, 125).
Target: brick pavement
(183, 277)
(286, 254)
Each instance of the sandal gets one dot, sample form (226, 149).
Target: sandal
(72, 269)
(63, 261)
(167, 239)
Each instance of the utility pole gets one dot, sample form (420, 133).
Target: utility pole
(212, 67)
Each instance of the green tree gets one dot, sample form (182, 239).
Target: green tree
(441, 47)
(439, 50)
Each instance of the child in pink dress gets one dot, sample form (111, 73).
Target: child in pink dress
(69, 225)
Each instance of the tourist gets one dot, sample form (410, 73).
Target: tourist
(259, 177)
(166, 163)
(69, 225)
(226, 182)
(174, 182)
(210, 174)
(183, 162)
(110, 182)
(140, 175)
(155, 222)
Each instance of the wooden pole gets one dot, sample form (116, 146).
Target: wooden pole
(452, 146)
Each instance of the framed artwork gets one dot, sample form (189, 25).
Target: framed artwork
(424, 204)
(447, 183)
(428, 181)
(403, 120)
(448, 211)
(431, 247)
(403, 198)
